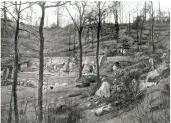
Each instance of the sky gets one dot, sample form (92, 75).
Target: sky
(128, 7)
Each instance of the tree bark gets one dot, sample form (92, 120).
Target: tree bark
(152, 28)
(92, 37)
(144, 17)
(145, 11)
(88, 33)
(137, 39)
(98, 40)
(10, 110)
(80, 46)
(14, 87)
(41, 65)
(117, 26)
(101, 34)
(74, 41)
(57, 17)
(129, 24)
(159, 13)
(5, 20)
(69, 45)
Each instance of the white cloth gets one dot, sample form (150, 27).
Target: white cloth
(145, 85)
(104, 90)
(152, 74)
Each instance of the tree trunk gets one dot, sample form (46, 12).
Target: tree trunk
(88, 34)
(98, 40)
(137, 40)
(144, 17)
(137, 36)
(57, 17)
(14, 86)
(101, 35)
(10, 111)
(159, 13)
(31, 18)
(92, 37)
(129, 24)
(74, 41)
(152, 27)
(141, 33)
(5, 20)
(41, 60)
(145, 11)
(117, 26)
(69, 45)
(80, 46)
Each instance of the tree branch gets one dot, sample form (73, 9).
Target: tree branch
(57, 4)
(31, 4)
(30, 33)
(72, 18)
(26, 45)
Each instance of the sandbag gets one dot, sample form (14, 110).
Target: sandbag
(104, 90)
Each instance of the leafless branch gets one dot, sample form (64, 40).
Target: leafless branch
(74, 21)
(57, 4)
(26, 45)
(30, 33)
(31, 4)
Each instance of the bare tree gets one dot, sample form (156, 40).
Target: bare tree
(5, 19)
(14, 87)
(152, 26)
(41, 62)
(129, 24)
(57, 13)
(98, 39)
(92, 36)
(18, 10)
(115, 10)
(159, 13)
(75, 33)
(142, 24)
(145, 12)
(91, 26)
(97, 15)
(41, 55)
(80, 7)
